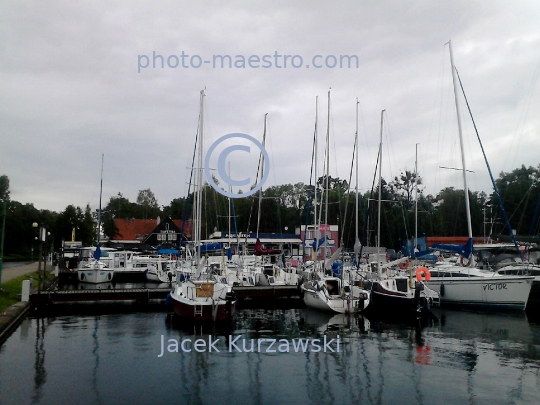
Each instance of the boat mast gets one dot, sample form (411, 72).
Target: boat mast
(315, 221)
(97, 253)
(416, 201)
(199, 182)
(464, 169)
(380, 195)
(356, 238)
(262, 174)
(327, 177)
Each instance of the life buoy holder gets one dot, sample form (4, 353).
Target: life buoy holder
(423, 272)
(404, 265)
(465, 261)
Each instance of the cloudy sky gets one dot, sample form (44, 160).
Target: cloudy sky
(77, 80)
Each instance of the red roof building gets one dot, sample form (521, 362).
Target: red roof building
(151, 231)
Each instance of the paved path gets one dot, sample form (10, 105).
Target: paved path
(10, 273)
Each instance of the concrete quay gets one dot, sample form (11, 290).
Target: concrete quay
(13, 315)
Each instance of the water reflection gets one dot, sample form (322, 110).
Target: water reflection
(458, 357)
(40, 373)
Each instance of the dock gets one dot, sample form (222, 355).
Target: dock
(54, 295)
(98, 295)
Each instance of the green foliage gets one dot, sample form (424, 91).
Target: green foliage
(4, 187)
(520, 193)
(147, 204)
(12, 290)
(284, 206)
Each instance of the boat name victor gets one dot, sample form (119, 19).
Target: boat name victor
(492, 287)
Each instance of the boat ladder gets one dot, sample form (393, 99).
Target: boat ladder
(198, 310)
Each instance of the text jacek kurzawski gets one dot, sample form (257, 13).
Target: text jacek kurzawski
(238, 344)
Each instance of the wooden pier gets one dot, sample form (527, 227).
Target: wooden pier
(54, 295)
(267, 292)
(98, 295)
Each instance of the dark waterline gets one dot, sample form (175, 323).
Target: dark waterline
(85, 358)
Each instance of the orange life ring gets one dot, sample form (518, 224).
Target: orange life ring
(404, 265)
(423, 271)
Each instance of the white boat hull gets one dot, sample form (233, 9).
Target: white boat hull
(495, 292)
(95, 276)
(337, 304)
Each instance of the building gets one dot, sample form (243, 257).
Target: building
(151, 232)
(326, 247)
(244, 242)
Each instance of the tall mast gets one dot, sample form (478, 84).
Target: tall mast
(416, 199)
(198, 195)
(380, 194)
(464, 169)
(97, 253)
(327, 175)
(356, 238)
(315, 221)
(262, 173)
(100, 195)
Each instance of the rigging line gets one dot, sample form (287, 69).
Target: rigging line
(523, 117)
(365, 232)
(495, 188)
(261, 163)
(348, 193)
(186, 204)
(433, 118)
(388, 148)
(253, 200)
(535, 216)
(308, 202)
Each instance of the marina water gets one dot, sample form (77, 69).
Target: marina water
(114, 358)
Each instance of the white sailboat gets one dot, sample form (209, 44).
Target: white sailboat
(400, 294)
(202, 297)
(463, 284)
(91, 269)
(325, 292)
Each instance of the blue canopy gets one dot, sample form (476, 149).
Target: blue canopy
(167, 252)
(464, 250)
(209, 247)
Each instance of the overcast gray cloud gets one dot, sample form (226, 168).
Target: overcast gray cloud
(71, 90)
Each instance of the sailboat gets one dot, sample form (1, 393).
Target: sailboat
(91, 269)
(329, 293)
(464, 284)
(203, 296)
(400, 294)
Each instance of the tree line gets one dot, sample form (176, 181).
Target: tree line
(283, 208)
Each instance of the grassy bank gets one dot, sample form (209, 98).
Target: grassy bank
(11, 290)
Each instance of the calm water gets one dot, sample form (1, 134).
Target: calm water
(463, 358)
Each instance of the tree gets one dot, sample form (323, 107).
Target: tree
(147, 201)
(4, 188)
(405, 185)
(520, 192)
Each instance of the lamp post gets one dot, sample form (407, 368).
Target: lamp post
(42, 237)
(4, 205)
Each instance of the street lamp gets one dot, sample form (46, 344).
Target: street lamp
(42, 237)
